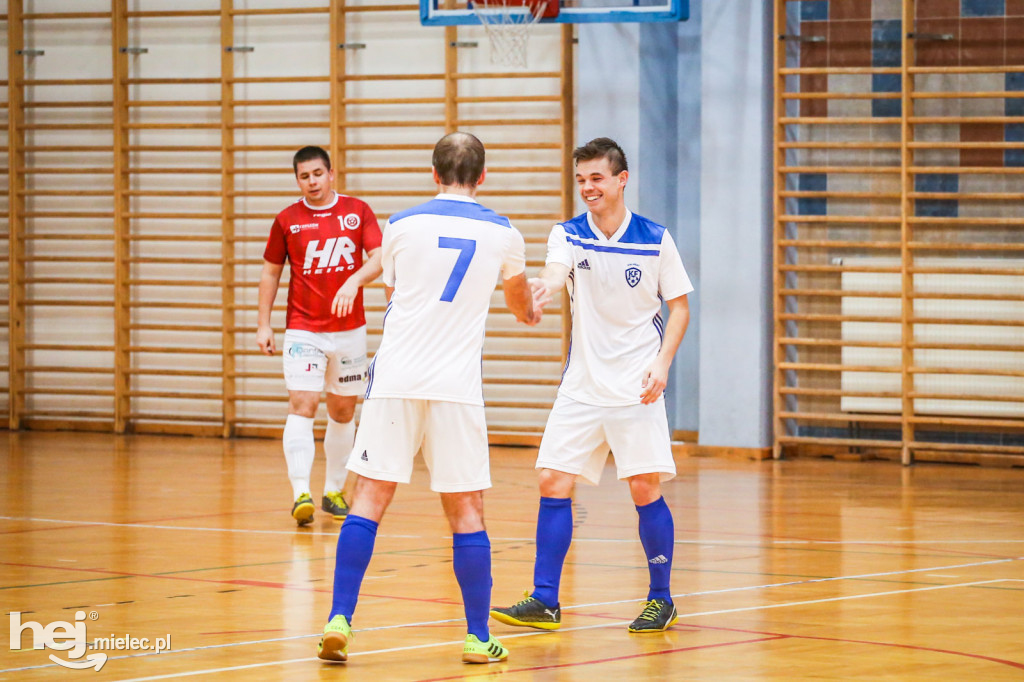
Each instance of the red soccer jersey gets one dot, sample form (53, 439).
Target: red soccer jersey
(324, 246)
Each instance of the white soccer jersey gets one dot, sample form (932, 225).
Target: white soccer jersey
(443, 258)
(616, 286)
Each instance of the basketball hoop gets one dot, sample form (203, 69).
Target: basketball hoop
(508, 24)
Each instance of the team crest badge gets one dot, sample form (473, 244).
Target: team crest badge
(351, 221)
(633, 275)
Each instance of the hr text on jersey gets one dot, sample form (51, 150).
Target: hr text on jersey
(329, 256)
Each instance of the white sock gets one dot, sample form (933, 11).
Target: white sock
(337, 445)
(299, 450)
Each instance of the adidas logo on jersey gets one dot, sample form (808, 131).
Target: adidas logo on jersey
(583, 265)
(660, 559)
(367, 459)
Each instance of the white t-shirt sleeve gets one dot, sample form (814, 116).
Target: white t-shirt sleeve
(387, 256)
(673, 281)
(514, 262)
(559, 248)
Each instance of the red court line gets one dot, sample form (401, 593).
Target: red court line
(613, 659)
(778, 635)
(245, 583)
(913, 647)
(239, 632)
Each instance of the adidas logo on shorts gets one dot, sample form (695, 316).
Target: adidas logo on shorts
(660, 559)
(583, 265)
(367, 459)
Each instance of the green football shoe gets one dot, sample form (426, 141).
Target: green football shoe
(302, 510)
(475, 651)
(334, 504)
(333, 645)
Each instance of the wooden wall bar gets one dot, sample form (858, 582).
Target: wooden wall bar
(11, 126)
(141, 194)
(899, 323)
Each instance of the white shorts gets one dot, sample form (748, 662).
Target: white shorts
(332, 360)
(578, 437)
(453, 437)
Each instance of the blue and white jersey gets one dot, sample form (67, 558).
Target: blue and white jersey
(616, 286)
(443, 259)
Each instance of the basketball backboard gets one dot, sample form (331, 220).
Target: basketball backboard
(432, 12)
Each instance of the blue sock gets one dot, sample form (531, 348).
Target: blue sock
(355, 547)
(471, 559)
(554, 534)
(658, 536)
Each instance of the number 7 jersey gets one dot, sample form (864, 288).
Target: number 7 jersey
(443, 259)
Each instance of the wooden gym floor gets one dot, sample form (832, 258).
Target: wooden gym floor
(783, 570)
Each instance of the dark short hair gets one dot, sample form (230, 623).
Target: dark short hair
(602, 148)
(310, 153)
(459, 159)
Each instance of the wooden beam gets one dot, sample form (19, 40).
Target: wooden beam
(16, 209)
(451, 67)
(122, 223)
(227, 207)
(338, 95)
(779, 205)
(568, 144)
(726, 452)
(907, 155)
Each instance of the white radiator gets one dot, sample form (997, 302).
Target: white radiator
(940, 359)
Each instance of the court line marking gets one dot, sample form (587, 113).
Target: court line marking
(605, 603)
(153, 526)
(897, 542)
(738, 543)
(309, 659)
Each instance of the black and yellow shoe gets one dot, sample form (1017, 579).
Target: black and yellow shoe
(334, 504)
(333, 645)
(475, 651)
(658, 615)
(302, 510)
(531, 613)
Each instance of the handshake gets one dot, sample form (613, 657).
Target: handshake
(541, 297)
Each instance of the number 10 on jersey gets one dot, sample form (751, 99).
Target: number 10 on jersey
(466, 249)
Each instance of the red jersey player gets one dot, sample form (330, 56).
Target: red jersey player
(323, 236)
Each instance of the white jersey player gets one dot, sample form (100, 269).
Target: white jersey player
(619, 267)
(441, 262)
(446, 249)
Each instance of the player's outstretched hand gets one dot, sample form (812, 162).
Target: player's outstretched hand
(345, 299)
(655, 380)
(541, 297)
(541, 293)
(265, 340)
(537, 315)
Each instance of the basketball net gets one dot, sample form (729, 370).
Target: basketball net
(508, 25)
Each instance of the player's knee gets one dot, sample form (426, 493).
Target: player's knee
(645, 488)
(465, 511)
(341, 411)
(303, 403)
(555, 483)
(371, 498)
